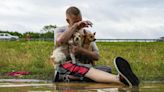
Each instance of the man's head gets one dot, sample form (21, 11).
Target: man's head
(73, 15)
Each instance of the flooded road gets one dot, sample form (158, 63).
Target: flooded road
(25, 85)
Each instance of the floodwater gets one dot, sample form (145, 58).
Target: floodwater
(25, 85)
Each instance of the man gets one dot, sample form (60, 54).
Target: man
(82, 71)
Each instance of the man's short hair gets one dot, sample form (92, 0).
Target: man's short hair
(73, 11)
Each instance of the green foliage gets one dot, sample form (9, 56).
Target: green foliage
(46, 32)
(12, 33)
(49, 28)
(31, 34)
(47, 35)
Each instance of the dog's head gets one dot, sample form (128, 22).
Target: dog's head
(89, 36)
(77, 38)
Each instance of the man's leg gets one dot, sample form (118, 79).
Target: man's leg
(101, 76)
(84, 70)
(125, 74)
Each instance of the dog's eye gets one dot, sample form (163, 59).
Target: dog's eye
(91, 36)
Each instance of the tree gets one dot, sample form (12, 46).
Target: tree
(49, 28)
(48, 31)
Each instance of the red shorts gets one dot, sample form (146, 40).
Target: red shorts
(78, 70)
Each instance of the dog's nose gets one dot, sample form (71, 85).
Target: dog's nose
(77, 39)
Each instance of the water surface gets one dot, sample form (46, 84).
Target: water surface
(21, 85)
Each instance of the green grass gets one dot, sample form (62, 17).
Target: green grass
(146, 59)
(26, 56)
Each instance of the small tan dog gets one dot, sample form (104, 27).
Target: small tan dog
(88, 38)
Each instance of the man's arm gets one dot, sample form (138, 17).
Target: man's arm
(66, 35)
(94, 55)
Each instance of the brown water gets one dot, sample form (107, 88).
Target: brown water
(44, 86)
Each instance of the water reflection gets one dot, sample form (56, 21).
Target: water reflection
(64, 87)
(102, 90)
(76, 87)
(93, 87)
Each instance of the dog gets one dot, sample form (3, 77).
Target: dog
(77, 41)
(88, 38)
(59, 56)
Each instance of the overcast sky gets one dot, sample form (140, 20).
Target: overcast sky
(111, 18)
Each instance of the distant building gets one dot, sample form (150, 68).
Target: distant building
(161, 39)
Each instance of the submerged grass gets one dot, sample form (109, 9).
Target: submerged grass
(146, 59)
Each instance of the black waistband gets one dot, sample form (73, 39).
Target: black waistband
(68, 58)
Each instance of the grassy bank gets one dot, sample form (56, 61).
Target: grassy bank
(147, 59)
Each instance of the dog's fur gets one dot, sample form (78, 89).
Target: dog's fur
(79, 39)
(88, 38)
(59, 56)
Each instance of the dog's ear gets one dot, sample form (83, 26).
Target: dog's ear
(94, 33)
(85, 32)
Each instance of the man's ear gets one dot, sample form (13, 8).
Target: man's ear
(94, 33)
(68, 21)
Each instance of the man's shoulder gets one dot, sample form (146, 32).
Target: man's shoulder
(61, 29)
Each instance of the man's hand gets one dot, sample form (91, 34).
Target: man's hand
(82, 24)
(76, 49)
